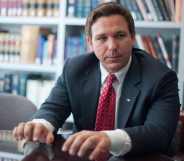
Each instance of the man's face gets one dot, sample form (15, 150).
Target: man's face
(111, 42)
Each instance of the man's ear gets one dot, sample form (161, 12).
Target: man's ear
(89, 43)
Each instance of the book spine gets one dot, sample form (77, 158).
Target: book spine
(4, 8)
(29, 45)
(178, 10)
(158, 10)
(71, 8)
(137, 10)
(175, 52)
(56, 8)
(143, 10)
(170, 8)
(164, 50)
(158, 50)
(139, 41)
(33, 8)
(25, 7)
(152, 9)
(41, 8)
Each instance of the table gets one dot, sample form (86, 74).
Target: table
(41, 154)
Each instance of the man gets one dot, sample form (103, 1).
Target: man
(142, 106)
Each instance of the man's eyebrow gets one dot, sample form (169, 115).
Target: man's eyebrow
(115, 33)
(99, 35)
(120, 31)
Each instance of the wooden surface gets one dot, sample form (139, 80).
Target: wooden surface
(42, 154)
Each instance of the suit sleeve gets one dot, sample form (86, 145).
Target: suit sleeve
(156, 133)
(56, 107)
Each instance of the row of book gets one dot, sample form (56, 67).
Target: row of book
(155, 10)
(75, 45)
(164, 49)
(38, 47)
(81, 8)
(10, 47)
(6, 136)
(35, 87)
(32, 46)
(29, 8)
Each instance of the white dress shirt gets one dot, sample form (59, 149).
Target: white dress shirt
(120, 140)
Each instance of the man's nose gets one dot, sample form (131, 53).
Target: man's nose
(112, 44)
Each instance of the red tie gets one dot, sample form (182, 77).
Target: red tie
(105, 117)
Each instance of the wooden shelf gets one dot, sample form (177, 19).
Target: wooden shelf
(158, 24)
(8, 155)
(32, 68)
(75, 21)
(30, 20)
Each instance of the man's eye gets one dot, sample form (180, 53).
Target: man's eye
(119, 36)
(101, 38)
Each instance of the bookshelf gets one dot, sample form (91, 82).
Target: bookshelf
(64, 26)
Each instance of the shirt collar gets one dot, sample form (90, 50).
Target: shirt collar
(119, 75)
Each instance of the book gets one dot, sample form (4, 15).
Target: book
(158, 10)
(38, 89)
(152, 9)
(139, 41)
(164, 50)
(178, 10)
(56, 8)
(158, 50)
(171, 9)
(144, 11)
(70, 8)
(29, 44)
(32, 8)
(41, 8)
(163, 10)
(137, 11)
(4, 7)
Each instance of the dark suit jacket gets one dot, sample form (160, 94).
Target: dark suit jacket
(148, 106)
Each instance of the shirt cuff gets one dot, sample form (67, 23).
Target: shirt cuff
(44, 122)
(120, 142)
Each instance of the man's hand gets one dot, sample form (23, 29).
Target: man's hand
(33, 132)
(89, 143)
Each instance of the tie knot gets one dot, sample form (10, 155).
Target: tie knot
(111, 78)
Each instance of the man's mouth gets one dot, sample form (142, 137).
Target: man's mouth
(113, 55)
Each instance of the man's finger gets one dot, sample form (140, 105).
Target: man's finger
(28, 131)
(68, 143)
(19, 133)
(49, 138)
(100, 151)
(89, 144)
(77, 142)
(40, 132)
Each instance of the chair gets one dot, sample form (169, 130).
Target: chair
(14, 109)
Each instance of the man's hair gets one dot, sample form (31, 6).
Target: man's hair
(109, 9)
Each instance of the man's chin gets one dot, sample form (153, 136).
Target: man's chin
(113, 68)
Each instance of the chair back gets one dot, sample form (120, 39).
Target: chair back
(14, 109)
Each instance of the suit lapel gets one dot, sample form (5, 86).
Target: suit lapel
(129, 93)
(91, 91)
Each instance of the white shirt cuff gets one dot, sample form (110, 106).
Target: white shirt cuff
(120, 142)
(46, 123)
